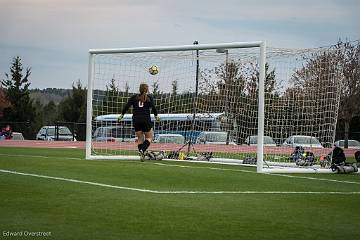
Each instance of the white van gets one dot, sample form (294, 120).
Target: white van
(48, 133)
(213, 138)
(169, 138)
(113, 134)
(303, 141)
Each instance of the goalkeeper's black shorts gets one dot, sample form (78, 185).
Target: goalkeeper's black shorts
(142, 125)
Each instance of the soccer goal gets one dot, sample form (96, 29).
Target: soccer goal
(233, 103)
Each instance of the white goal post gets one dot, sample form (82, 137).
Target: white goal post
(235, 92)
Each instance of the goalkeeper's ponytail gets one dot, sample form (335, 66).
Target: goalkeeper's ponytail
(143, 89)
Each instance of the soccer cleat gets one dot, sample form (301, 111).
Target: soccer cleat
(142, 155)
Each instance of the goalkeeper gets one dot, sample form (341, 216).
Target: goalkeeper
(141, 104)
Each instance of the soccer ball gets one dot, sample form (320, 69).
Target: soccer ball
(153, 70)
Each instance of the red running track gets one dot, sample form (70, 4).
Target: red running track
(158, 147)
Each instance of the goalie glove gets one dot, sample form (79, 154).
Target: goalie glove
(120, 118)
(157, 118)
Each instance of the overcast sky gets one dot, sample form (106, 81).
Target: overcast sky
(53, 36)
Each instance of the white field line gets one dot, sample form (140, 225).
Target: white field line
(313, 178)
(58, 157)
(170, 192)
(270, 174)
(211, 168)
(39, 156)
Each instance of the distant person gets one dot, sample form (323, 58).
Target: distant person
(6, 132)
(141, 104)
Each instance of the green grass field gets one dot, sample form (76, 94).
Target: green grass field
(168, 200)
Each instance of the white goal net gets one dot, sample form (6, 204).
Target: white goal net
(212, 107)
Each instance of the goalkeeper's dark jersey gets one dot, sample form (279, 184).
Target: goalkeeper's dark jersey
(141, 111)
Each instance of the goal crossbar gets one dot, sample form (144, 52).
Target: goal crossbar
(178, 48)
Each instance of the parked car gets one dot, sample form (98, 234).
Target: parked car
(213, 138)
(351, 144)
(303, 141)
(48, 133)
(169, 138)
(113, 134)
(268, 141)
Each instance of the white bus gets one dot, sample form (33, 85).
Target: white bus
(176, 123)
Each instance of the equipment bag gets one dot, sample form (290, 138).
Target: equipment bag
(357, 156)
(250, 160)
(338, 162)
(302, 158)
(151, 155)
(337, 156)
(205, 156)
(344, 168)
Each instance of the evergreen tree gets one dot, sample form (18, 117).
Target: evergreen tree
(4, 103)
(174, 85)
(155, 89)
(16, 86)
(126, 89)
(50, 113)
(73, 110)
(111, 102)
(40, 115)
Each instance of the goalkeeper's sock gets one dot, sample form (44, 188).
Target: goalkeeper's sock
(145, 145)
(140, 146)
